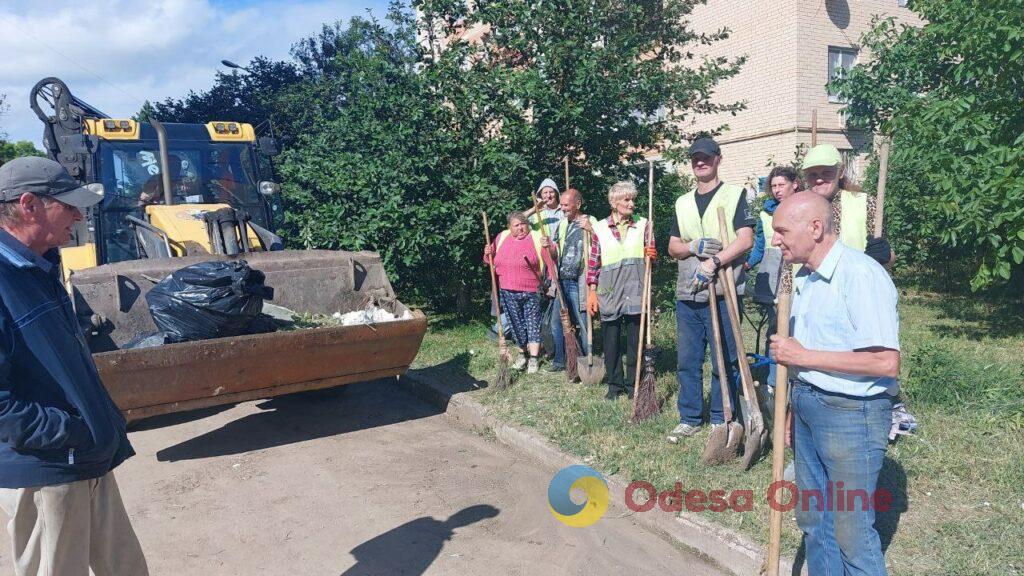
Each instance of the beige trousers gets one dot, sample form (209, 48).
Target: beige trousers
(64, 530)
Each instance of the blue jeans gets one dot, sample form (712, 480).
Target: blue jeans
(571, 291)
(839, 438)
(693, 333)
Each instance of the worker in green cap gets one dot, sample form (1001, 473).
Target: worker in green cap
(853, 211)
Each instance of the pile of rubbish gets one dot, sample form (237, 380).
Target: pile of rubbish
(222, 299)
(370, 315)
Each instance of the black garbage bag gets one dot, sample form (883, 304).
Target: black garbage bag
(209, 300)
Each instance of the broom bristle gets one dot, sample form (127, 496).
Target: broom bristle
(504, 377)
(572, 350)
(645, 404)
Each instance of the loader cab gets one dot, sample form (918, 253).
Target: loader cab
(204, 168)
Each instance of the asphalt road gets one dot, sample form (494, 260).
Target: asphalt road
(363, 480)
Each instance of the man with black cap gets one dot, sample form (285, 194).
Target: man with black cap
(695, 242)
(60, 433)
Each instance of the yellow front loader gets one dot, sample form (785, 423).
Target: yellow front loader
(180, 194)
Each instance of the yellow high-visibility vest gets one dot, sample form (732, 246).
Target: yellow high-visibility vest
(612, 250)
(693, 226)
(853, 229)
(766, 228)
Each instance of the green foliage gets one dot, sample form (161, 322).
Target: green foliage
(397, 145)
(238, 97)
(950, 93)
(12, 150)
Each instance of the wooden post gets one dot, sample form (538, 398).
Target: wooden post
(814, 127)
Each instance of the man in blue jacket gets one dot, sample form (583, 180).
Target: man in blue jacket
(60, 433)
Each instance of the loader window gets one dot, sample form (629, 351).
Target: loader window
(200, 173)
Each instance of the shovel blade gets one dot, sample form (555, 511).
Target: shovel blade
(723, 444)
(590, 374)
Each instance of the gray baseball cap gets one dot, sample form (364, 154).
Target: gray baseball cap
(45, 177)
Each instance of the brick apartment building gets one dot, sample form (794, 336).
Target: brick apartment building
(792, 49)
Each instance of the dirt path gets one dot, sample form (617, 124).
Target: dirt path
(364, 481)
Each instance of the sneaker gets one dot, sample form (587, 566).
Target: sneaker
(682, 431)
(532, 366)
(554, 368)
(520, 363)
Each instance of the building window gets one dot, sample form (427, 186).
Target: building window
(839, 61)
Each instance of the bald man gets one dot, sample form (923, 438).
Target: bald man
(568, 239)
(844, 358)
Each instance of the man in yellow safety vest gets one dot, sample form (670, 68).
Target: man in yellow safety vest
(695, 242)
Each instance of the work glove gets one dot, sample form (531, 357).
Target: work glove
(651, 252)
(704, 248)
(879, 249)
(592, 305)
(703, 275)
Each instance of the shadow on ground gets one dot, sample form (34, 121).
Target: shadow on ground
(978, 317)
(304, 416)
(412, 547)
(892, 478)
(454, 374)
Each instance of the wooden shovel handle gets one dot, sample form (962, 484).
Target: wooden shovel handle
(779, 434)
(640, 335)
(716, 332)
(494, 281)
(732, 304)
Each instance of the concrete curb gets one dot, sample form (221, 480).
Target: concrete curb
(731, 550)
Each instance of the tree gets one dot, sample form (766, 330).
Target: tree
(599, 81)
(950, 93)
(12, 150)
(238, 97)
(396, 145)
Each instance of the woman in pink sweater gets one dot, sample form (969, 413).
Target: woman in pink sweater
(517, 254)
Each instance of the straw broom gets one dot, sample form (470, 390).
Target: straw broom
(504, 378)
(645, 401)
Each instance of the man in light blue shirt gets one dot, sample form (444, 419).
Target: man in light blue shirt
(844, 358)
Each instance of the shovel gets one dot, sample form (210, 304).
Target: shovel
(724, 440)
(591, 370)
(753, 421)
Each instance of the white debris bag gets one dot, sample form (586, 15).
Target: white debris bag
(370, 315)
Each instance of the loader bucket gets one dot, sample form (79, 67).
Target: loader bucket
(175, 377)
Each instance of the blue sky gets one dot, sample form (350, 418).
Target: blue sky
(115, 54)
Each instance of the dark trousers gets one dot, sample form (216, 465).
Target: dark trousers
(627, 326)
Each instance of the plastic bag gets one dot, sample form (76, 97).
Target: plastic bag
(148, 340)
(209, 300)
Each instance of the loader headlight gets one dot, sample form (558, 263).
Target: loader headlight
(268, 188)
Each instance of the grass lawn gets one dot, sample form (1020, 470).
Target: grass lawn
(958, 483)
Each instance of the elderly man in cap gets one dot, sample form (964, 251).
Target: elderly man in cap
(844, 358)
(60, 434)
(854, 212)
(695, 242)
